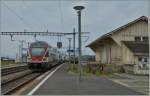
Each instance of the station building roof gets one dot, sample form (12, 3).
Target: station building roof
(143, 18)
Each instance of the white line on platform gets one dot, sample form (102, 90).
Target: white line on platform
(119, 82)
(33, 90)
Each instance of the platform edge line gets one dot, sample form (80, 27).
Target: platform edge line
(35, 88)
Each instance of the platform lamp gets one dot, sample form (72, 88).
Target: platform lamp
(78, 9)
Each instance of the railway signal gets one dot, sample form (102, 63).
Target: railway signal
(59, 43)
(70, 50)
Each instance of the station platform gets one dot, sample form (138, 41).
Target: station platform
(64, 83)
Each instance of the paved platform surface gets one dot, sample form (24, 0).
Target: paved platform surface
(135, 82)
(64, 83)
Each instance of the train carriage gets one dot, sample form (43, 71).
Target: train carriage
(42, 56)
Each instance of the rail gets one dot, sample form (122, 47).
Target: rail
(12, 85)
(8, 87)
(14, 69)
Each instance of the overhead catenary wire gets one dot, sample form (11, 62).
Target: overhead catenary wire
(45, 25)
(38, 20)
(19, 17)
(35, 17)
(61, 15)
(61, 19)
(60, 11)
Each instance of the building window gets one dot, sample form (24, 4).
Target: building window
(137, 38)
(145, 59)
(139, 59)
(145, 38)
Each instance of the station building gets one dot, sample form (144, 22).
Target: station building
(127, 44)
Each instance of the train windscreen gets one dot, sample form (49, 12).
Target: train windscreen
(37, 51)
(37, 44)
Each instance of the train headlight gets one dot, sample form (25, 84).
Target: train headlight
(28, 59)
(45, 59)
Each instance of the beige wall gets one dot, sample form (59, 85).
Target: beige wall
(97, 52)
(113, 51)
(127, 56)
(110, 52)
(100, 51)
(116, 55)
(137, 29)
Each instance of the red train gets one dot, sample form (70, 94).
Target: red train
(42, 56)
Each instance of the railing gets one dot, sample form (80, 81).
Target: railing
(136, 69)
(141, 70)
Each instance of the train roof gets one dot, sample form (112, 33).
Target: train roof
(39, 44)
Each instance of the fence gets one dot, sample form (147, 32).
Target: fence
(136, 69)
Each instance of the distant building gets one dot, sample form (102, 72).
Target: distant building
(88, 57)
(24, 58)
(17, 59)
(127, 44)
(7, 59)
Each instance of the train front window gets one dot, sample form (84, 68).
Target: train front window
(37, 51)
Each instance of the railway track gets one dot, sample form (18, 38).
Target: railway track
(12, 85)
(14, 69)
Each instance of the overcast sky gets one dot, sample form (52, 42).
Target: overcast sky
(98, 17)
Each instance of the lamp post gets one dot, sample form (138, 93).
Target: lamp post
(79, 8)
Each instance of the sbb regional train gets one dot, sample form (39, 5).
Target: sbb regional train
(42, 56)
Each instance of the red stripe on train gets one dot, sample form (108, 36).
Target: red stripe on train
(37, 58)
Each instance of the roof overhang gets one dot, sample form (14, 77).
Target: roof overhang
(143, 18)
(141, 54)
